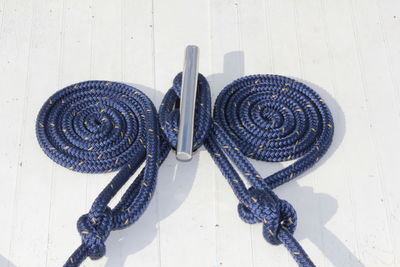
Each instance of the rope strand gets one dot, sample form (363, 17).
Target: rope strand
(270, 118)
(99, 126)
(264, 117)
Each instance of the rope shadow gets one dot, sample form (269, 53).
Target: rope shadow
(330, 245)
(338, 118)
(336, 251)
(312, 222)
(175, 181)
(5, 262)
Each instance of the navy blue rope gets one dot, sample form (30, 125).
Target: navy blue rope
(86, 127)
(264, 117)
(101, 126)
(169, 112)
(270, 118)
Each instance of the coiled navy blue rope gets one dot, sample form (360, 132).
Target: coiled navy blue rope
(101, 126)
(265, 117)
(270, 118)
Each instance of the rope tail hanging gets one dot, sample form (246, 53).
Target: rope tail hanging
(263, 117)
(100, 126)
(269, 118)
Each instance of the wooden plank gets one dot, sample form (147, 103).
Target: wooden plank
(387, 29)
(185, 190)
(137, 245)
(33, 185)
(233, 237)
(348, 51)
(74, 66)
(375, 73)
(14, 51)
(319, 205)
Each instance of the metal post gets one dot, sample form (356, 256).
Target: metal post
(187, 104)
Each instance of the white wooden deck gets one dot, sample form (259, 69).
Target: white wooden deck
(348, 50)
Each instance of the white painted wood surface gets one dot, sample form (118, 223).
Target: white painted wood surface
(348, 50)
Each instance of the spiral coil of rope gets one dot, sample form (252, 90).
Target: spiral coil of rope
(270, 118)
(99, 126)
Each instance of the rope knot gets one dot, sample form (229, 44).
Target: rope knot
(94, 229)
(274, 213)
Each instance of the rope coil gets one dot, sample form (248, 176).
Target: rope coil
(94, 126)
(270, 118)
(99, 126)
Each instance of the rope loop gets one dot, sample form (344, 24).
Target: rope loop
(99, 126)
(269, 118)
(102, 126)
(169, 112)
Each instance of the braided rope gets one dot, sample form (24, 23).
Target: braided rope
(169, 112)
(264, 117)
(100, 126)
(270, 118)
